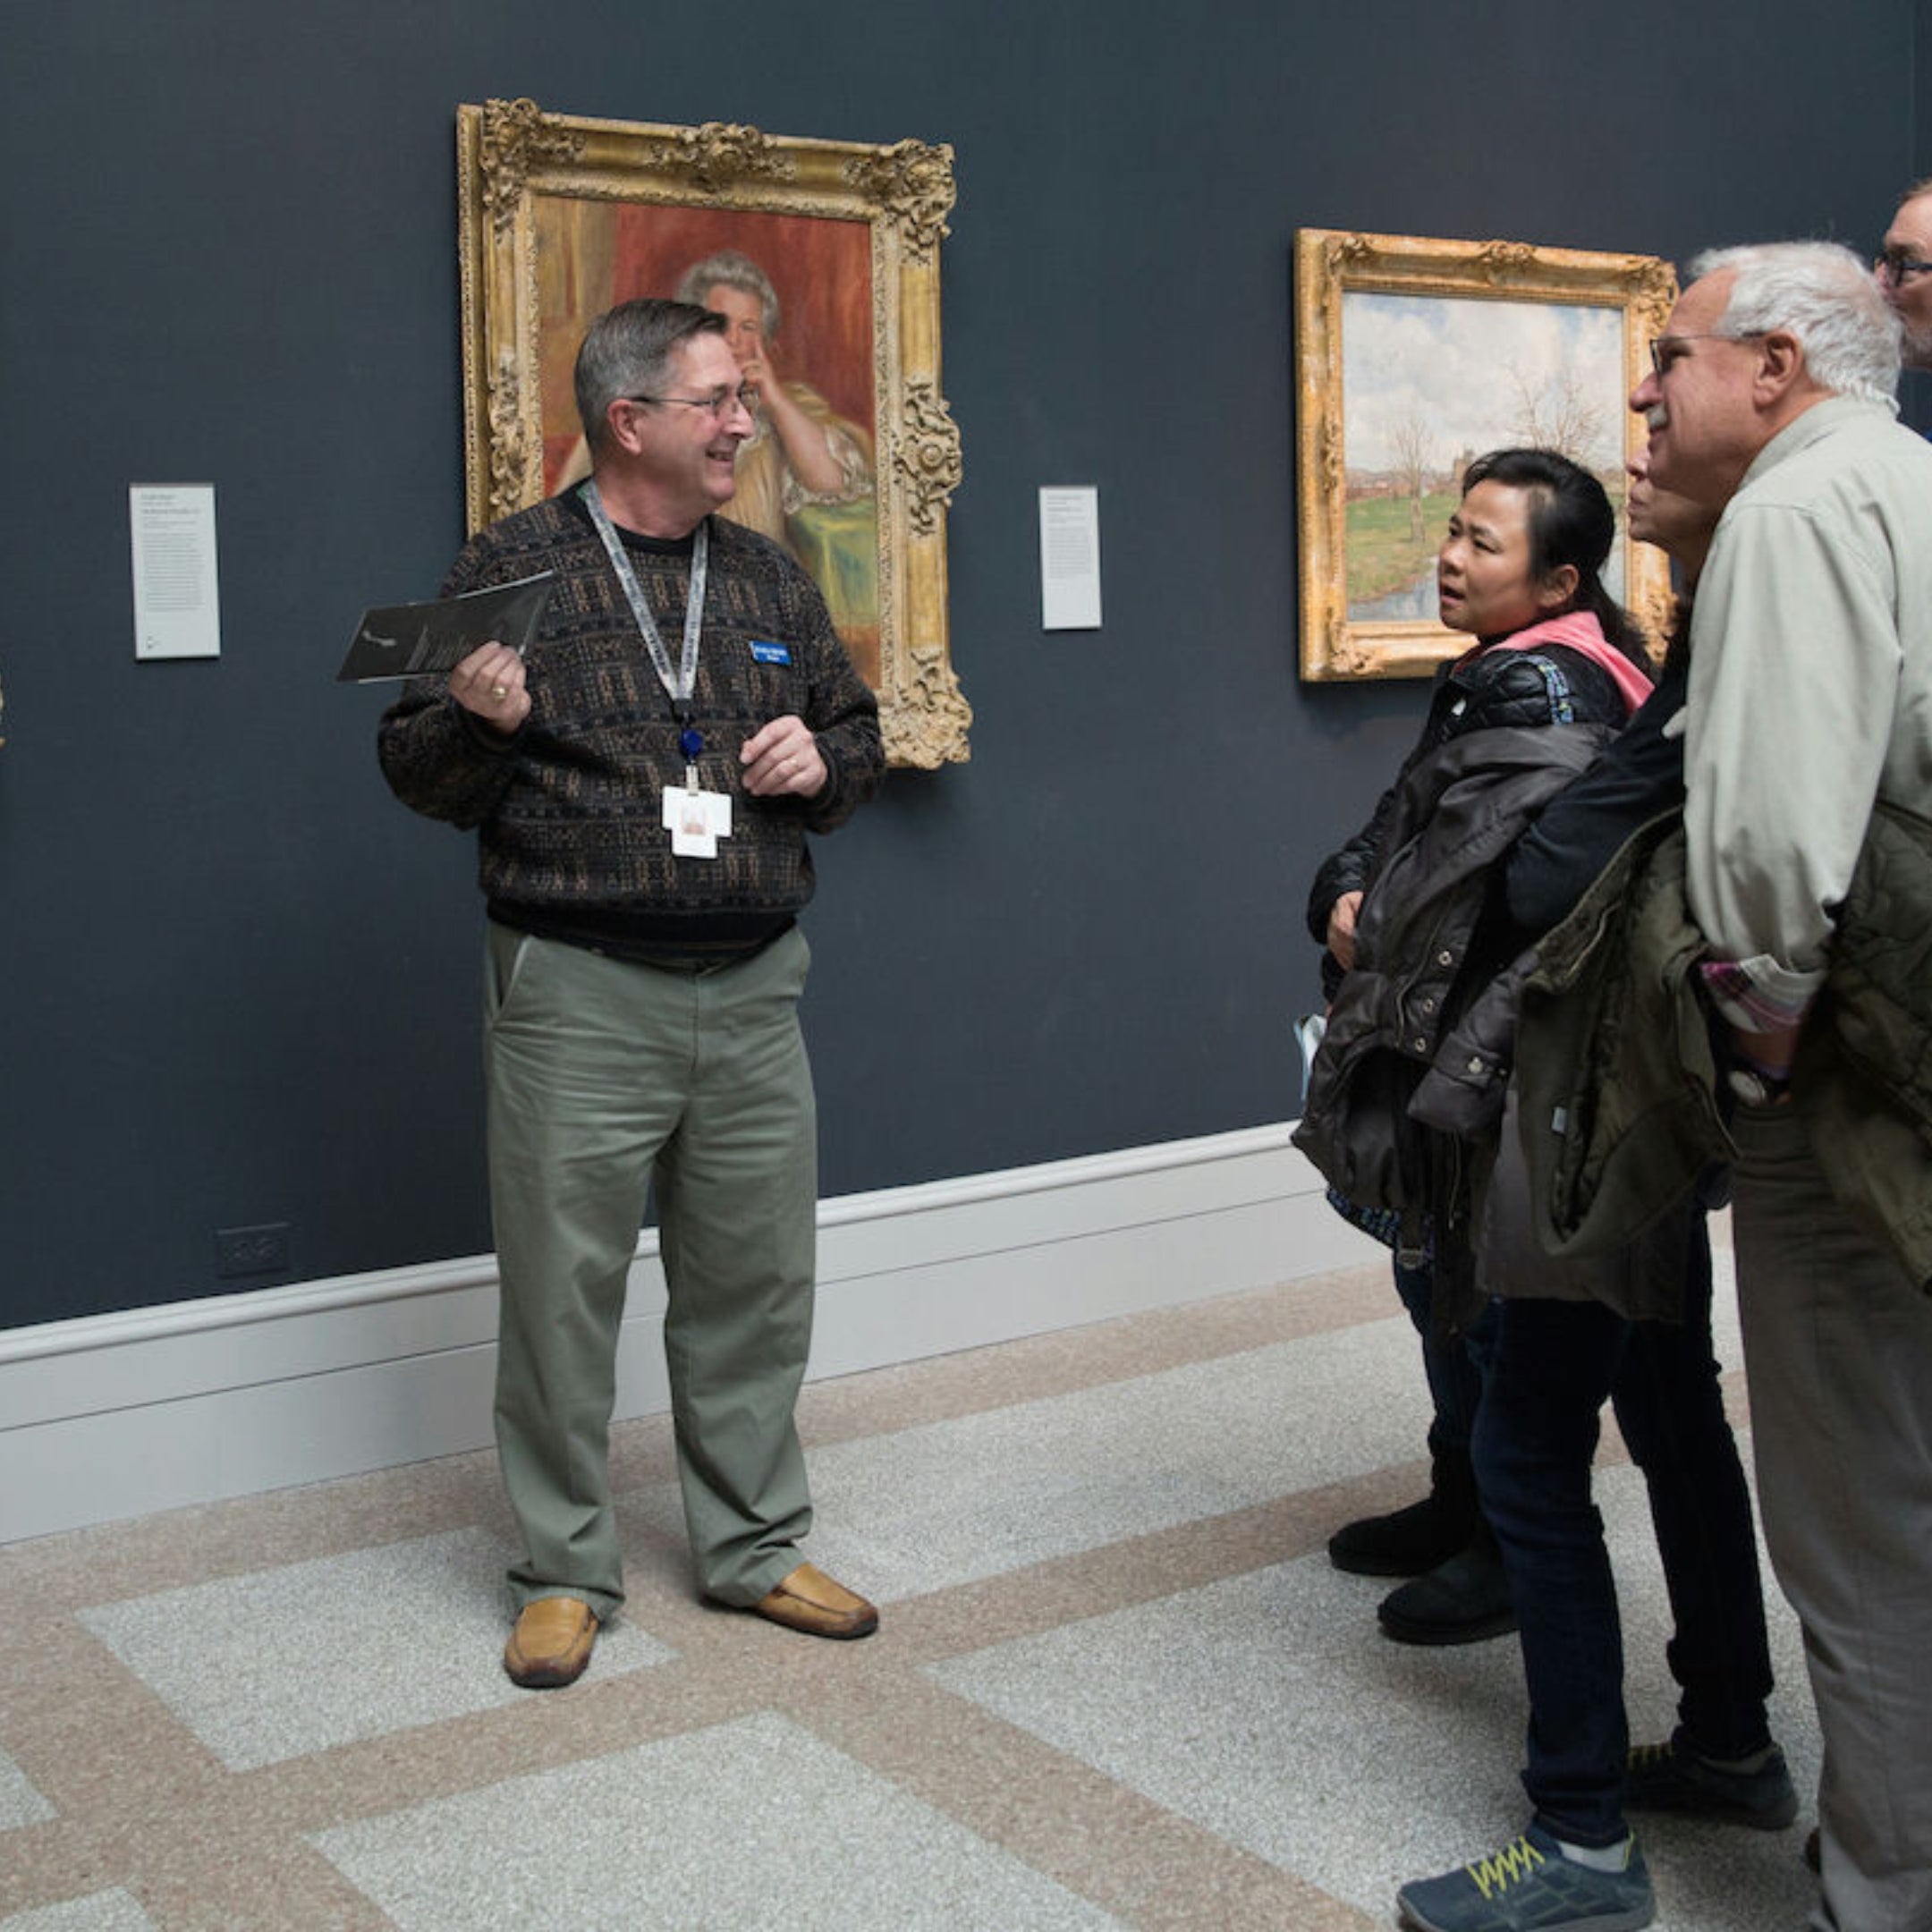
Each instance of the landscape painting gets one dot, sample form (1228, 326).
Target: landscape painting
(1414, 357)
(1432, 382)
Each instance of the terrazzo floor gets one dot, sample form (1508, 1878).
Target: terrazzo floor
(1117, 1682)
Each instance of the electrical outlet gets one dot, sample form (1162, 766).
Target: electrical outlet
(253, 1250)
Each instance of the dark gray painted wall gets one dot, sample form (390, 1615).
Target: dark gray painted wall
(237, 981)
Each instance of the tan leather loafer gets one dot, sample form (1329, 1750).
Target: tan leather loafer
(809, 1600)
(551, 1643)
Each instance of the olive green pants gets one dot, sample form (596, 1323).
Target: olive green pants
(605, 1078)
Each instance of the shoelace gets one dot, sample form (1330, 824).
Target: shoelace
(1501, 1869)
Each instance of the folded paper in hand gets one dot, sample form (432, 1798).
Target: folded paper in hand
(408, 641)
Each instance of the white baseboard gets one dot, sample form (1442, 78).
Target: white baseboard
(121, 1415)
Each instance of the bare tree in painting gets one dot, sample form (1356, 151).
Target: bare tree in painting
(1410, 444)
(1560, 414)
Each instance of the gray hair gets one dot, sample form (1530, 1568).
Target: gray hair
(627, 351)
(730, 269)
(1824, 295)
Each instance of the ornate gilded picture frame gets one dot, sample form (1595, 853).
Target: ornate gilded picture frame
(831, 250)
(1413, 356)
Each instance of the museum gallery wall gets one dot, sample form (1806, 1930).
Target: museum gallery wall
(240, 983)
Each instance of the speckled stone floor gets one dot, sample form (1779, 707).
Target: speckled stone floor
(1117, 1682)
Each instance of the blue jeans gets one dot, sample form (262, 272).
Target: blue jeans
(1453, 1367)
(1536, 1434)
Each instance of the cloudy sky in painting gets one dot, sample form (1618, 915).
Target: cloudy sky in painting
(1462, 368)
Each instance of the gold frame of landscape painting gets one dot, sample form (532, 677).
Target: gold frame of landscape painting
(559, 217)
(1413, 356)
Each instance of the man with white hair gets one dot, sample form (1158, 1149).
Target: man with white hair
(1810, 739)
(1809, 751)
(1904, 272)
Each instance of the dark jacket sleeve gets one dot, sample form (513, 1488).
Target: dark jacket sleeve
(1350, 869)
(1554, 863)
(1499, 689)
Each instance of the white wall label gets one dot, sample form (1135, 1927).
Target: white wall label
(177, 594)
(1070, 558)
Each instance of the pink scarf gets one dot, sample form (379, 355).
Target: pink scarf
(1580, 631)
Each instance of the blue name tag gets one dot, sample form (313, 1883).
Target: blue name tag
(770, 653)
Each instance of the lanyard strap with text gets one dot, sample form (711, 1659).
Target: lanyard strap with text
(680, 684)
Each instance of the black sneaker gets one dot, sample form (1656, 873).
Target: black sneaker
(1673, 1777)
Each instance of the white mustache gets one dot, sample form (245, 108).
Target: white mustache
(1657, 418)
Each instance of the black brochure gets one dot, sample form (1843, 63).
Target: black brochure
(405, 641)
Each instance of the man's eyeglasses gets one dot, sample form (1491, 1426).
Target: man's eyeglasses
(720, 402)
(1664, 350)
(1894, 267)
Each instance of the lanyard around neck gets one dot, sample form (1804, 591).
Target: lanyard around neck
(678, 685)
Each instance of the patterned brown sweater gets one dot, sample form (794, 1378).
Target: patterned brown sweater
(569, 811)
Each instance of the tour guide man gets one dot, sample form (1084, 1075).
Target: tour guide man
(641, 784)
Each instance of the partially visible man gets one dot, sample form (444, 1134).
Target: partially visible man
(1904, 272)
(641, 786)
(1810, 733)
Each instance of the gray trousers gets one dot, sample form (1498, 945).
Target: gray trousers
(604, 1077)
(1838, 1353)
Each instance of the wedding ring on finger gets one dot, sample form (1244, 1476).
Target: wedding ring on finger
(499, 691)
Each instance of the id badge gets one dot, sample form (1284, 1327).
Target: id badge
(696, 820)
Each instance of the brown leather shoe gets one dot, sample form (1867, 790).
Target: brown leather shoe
(551, 1643)
(809, 1600)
